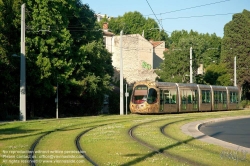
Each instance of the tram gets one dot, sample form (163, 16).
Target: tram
(149, 97)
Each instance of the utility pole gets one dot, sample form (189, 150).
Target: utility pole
(235, 71)
(57, 100)
(22, 105)
(191, 67)
(121, 77)
(126, 95)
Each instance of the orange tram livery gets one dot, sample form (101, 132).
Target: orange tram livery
(149, 97)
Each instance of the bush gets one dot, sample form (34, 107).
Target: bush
(245, 103)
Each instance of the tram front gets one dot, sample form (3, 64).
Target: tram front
(144, 98)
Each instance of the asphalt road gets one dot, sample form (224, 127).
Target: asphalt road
(234, 131)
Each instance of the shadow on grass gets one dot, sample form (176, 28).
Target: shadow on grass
(15, 130)
(187, 141)
(22, 136)
(164, 152)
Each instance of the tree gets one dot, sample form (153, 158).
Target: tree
(9, 65)
(217, 75)
(135, 23)
(72, 53)
(175, 67)
(64, 46)
(49, 54)
(236, 43)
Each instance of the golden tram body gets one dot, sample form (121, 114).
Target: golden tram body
(149, 97)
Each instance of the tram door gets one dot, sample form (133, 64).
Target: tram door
(189, 100)
(168, 100)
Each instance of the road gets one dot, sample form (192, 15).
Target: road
(234, 131)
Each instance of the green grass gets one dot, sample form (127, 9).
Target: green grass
(108, 142)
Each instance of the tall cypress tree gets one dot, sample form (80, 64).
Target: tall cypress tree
(236, 43)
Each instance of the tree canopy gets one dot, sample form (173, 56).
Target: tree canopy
(176, 64)
(236, 42)
(63, 46)
(216, 54)
(136, 23)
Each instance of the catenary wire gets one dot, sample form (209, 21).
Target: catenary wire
(189, 8)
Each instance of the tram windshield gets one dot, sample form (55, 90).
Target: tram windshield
(140, 94)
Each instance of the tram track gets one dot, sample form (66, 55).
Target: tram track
(162, 150)
(131, 133)
(79, 148)
(31, 153)
(78, 145)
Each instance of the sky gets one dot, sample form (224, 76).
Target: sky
(203, 16)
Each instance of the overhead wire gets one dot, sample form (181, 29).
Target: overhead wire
(209, 15)
(155, 15)
(185, 17)
(189, 8)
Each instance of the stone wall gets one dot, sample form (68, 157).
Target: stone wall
(158, 55)
(137, 55)
(131, 76)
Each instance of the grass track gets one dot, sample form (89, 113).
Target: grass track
(110, 144)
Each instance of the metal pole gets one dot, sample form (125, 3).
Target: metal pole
(235, 71)
(126, 99)
(57, 101)
(22, 106)
(121, 76)
(191, 68)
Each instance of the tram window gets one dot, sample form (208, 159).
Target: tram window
(184, 97)
(170, 96)
(195, 98)
(205, 96)
(152, 96)
(174, 98)
(216, 96)
(190, 96)
(220, 97)
(233, 97)
(224, 95)
(140, 94)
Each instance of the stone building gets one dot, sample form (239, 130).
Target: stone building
(140, 56)
(158, 56)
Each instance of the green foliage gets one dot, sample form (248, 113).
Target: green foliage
(136, 23)
(205, 50)
(63, 46)
(217, 75)
(236, 43)
(97, 60)
(245, 90)
(9, 65)
(245, 103)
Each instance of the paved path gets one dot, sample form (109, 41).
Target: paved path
(193, 129)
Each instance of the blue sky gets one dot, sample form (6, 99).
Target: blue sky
(210, 15)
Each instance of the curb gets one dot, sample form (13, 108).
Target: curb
(192, 129)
